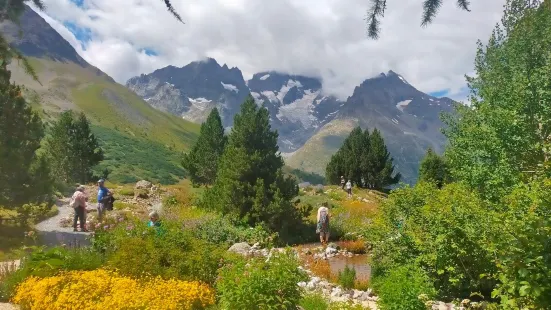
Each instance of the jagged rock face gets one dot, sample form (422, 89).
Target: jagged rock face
(193, 90)
(296, 104)
(408, 118)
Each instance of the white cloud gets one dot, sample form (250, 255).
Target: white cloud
(325, 38)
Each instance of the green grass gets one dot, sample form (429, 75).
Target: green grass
(139, 141)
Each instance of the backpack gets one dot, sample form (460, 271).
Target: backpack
(73, 203)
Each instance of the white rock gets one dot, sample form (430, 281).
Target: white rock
(337, 292)
(242, 248)
(330, 251)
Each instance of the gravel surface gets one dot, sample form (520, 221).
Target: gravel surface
(4, 306)
(51, 233)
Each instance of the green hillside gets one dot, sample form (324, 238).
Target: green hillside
(139, 141)
(314, 155)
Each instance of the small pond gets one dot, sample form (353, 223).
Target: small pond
(338, 263)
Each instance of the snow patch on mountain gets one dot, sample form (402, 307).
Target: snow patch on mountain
(402, 104)
(230, 87)
(264, 77)
(300, 110)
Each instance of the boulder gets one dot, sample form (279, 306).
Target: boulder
(333, 246)
(242, 248)
(331, 251)
(143, 184)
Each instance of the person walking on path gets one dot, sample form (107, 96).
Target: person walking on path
(103, 195)
(342, 182)
(78, 203)
(349, 188)
(322, 227)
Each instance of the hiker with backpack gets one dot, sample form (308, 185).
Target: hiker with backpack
(322, 227)
(342, 182)
(78, 203)
(105, 199)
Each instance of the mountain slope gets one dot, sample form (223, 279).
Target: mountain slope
(193, 90)
(297, 106)
(139, 141)
(407, 118)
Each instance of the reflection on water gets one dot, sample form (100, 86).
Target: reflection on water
(339, 262)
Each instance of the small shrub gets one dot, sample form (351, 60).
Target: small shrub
(109, 290)
(347, 277)
(260, 284)
(126, 191)
(138, 250)
(362, 285)
(356, 247)
(400, 289)
(314, 302)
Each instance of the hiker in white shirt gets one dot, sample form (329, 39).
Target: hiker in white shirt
(349, 188)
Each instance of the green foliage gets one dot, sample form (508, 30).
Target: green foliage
(318, 302)
(47, 262)
(401, 287)
(347, 277)
(260, 284)
(433, 169)
(72, 148)
(35, 212)
(302, 176)
(250, 184)
(363, 159)
(448, 232)
(131, 159)
(524, 248)
(21, 130)
(202, 161)
(139, 250)
(221, 230)
(430, 8)
(505, 135)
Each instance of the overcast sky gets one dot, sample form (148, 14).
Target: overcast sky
(323, 38)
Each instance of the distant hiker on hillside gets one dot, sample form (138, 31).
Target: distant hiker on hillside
(104, 197)
(78, 203)
(342, 182)
(322, 227)
(349, 188)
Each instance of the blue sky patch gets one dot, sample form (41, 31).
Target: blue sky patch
(79, 3)
(149, 52)
(82, 34)
(440, 93)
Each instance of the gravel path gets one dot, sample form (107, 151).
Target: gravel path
(5, 306)
(51, 233)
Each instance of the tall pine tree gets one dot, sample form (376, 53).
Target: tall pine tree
(72, 148)
(86, 150)
(201, 162)
(434, 169)
(250, 184)
(364, 159)
(21, 130)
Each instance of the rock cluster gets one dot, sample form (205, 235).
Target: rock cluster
(331, 291)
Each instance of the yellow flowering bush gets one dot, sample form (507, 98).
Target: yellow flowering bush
(103, 289)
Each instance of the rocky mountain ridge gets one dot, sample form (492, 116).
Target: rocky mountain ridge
(299, 108)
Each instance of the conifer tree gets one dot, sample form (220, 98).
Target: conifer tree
(250, 184)
(201, 162)
(86, 150)
(72, 148)
(364, 159)
(21, 130)
(380, 160)
(433, 168)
